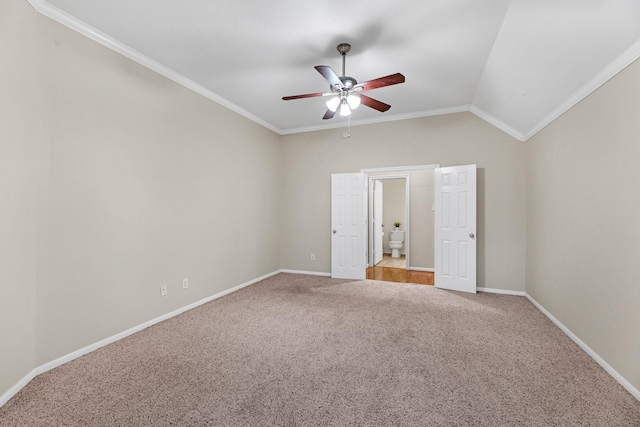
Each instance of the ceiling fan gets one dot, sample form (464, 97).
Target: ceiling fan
(346, 92)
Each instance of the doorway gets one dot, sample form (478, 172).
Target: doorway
(388, 219)
(453, 237)
(416, 220)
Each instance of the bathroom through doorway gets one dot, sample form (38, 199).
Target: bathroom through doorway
(417, 222)
(389, 222)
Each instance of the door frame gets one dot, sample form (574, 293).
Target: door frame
(392, 172)
(407, 219)
(374, 220)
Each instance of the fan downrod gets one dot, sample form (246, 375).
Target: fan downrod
(347, 81)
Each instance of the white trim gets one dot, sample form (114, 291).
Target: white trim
(310, 273)
(400, 168)
(396, 172)
(17, 387)
(88, 349)
(422, 269)
(96, 35)
(337, 123)
(497, 123)
(613, 68)
(48, 366)
(407, 205)
(595, 356)
(62, 17)
(599, 360)
(501, 291)
(74, 355)
(621, 62)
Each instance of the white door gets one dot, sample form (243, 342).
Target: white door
(378, 227)
(455, 228)
(348, 226)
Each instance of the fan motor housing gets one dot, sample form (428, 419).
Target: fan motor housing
(348, 82)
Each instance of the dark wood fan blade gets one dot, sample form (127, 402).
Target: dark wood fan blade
(329, 115)
(374, 103)
(306, 95)
(392, 79)
(328, 74)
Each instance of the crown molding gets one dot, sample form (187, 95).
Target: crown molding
(497, 123)
(621, 62)
(386, 118)
(60, 16)
(618, 64)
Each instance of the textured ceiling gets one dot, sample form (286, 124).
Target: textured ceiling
(517, 64)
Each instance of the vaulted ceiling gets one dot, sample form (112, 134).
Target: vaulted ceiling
(518, 64)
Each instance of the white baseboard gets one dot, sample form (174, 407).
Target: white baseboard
(502, 291)
(431, 270)
(310, 273)
(615, 374)
(78, 353)
(17, 387)
(88, 349)
(599, 360)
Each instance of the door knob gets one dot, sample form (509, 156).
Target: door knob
(472, 235)
(335, 231)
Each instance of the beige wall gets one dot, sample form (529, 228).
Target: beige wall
(18, 192)
(454, 139)
(145, 183)
(138, 183)
(583, 236)
(422, 219)
(133, 182)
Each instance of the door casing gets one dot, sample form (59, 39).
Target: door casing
(376, 221)
(387, 173)
(407, 220)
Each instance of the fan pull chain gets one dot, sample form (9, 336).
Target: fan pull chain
(347, 134)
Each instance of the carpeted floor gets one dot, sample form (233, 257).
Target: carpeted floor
(298, 350)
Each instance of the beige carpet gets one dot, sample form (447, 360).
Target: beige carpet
(297, 350)
(387, 261)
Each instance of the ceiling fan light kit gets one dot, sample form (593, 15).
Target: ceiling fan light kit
(333, 104)
(344, 108)
(346, 91)
(354, 101)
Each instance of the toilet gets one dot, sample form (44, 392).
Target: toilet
(395, 243)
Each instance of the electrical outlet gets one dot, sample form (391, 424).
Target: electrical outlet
(313, 257)
(163, 290)
(185, 283)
